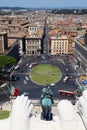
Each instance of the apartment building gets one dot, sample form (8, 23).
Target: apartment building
(34, 43)
(33, 46)
(34, 39)
(3, 42)
(32, 29)
(60, 44)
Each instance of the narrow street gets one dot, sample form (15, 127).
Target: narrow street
(46, 41)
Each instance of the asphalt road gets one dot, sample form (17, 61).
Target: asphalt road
(33, 89)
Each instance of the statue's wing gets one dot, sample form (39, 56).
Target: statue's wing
(19, 116)
(69, 118)
(82, 107)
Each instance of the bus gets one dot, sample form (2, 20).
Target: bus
(65, 79)
(64, 92)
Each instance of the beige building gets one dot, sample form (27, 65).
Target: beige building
(34, 39)
(32, 29)
(33, 46)
(34, 43)
(60, 45)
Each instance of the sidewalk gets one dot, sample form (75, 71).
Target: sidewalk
(5, 106)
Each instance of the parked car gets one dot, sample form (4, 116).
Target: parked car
(14, 78)
(43, 57)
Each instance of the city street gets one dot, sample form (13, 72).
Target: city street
(33, 89)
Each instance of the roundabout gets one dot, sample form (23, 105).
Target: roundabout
(43, 73)
(34, 87)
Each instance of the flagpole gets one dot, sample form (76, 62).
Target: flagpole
(11, 101)
(10, 90)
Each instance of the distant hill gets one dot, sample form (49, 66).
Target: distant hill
(61, 10)
(45, 8)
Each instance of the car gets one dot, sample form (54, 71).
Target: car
(33, 64)
(25, 82)
(16, 67)
(30, 66)
(52, 85)
(65, 79)
(29, 69)
(43, 57)
(27, 78)
(14, 78)
(76, 67)
(52, 56)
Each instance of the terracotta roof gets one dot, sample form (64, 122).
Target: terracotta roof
(53, 32)
(16, 35)
(14, 25)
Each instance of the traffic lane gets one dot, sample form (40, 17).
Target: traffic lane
(35, 90)
(35, 93)
(34, 87)
(31, 87)
(28, 60)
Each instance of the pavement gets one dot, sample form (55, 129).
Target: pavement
(36, 109)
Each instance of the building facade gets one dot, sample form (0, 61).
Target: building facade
(34, 40)
(33, 46)
(60, 45)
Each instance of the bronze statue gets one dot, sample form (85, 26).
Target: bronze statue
(46, 102)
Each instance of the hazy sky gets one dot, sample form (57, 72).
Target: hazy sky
(43, 3)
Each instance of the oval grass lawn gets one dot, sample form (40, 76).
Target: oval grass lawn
(45, 72)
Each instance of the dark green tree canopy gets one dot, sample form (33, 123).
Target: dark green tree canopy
(6, 60)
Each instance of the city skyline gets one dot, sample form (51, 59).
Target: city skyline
(44, 4)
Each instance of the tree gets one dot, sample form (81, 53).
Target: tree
(5, 60)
